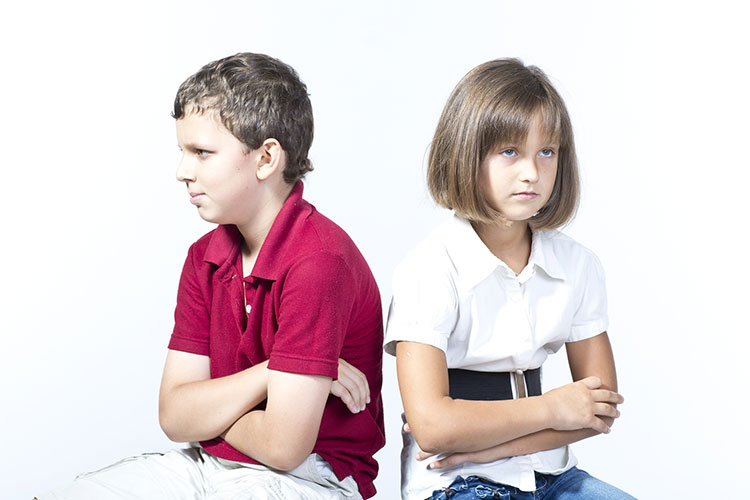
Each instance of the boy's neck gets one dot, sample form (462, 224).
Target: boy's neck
(254, 232)
(511, 244)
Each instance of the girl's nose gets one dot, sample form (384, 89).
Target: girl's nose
(529, 170)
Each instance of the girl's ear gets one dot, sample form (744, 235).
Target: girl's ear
(270, 159)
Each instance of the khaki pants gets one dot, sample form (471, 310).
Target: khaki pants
(192, 473)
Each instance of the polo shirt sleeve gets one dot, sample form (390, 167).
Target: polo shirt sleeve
(191, 316)
(424, 304)
(315, 307)
(590, 318)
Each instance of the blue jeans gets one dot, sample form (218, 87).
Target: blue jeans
(573, 484)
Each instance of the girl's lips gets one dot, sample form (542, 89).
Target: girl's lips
(525, 196)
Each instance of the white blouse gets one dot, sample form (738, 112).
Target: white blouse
(451, 292)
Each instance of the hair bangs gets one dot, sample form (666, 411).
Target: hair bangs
(510, 121)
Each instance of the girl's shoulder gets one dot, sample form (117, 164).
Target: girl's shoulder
(443, 249)
(563, 250)
(430, 254)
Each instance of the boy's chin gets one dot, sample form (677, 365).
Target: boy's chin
(207, 216)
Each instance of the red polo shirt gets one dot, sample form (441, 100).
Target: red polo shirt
(312, 301)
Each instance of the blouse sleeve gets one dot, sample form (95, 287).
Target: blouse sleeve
(590, 318)
(424, 305)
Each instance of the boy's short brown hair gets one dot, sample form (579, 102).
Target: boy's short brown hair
(496, 102)
(257, 97)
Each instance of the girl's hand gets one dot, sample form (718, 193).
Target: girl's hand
(581, 404)
(482, 456)
(477, 457)
(351, 387)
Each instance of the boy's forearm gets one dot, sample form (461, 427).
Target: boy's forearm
(284, 434)
(202, 410)
(254, 435)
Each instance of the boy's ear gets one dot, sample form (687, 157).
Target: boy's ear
(270, 160)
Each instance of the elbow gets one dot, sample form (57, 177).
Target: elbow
(286, 458)
(434, 441)
(170, 423)
(167, 425)
(430, 443)
(434, 435)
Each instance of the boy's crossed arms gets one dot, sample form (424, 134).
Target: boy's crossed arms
(195, 407)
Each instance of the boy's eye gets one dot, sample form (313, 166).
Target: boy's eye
(201, 152)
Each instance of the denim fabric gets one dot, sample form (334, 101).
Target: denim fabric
(573, 484)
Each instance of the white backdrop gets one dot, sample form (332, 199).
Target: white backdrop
(95, 228)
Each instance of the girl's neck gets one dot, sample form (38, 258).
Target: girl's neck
(511, 243)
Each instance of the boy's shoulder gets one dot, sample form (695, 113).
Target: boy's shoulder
(300, 231)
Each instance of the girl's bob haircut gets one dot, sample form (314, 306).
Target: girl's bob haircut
(494, 104)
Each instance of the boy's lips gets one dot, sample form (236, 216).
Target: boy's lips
(195, 197)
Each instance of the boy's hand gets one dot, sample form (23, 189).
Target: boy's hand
(581, 404)
(352, 387)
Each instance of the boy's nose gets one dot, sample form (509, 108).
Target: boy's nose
(185, 171)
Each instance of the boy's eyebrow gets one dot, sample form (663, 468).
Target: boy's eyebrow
(191, 146)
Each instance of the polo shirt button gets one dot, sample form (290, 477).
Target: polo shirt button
(248, 308)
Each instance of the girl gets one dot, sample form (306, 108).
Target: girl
(479, 305)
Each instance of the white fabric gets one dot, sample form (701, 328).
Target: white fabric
(192, 473)
(451, 292)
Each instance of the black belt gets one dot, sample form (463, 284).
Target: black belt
(493, 386)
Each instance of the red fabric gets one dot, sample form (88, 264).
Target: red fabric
(313, 300)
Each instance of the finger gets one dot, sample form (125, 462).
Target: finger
(407, 429)
(350, 385)
(599, 426)
(592, 382)
(606, 410)
(340, 392)
(606, 396)
(356, 382)
(448, 461)
(421, 455)
(362, 382)
(353, 386)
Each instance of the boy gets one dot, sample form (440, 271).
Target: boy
(272, 307)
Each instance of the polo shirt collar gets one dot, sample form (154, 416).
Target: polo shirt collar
(280, 238)
(474, 262)
(224, 247)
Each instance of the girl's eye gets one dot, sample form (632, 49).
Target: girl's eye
(546, 153)
(508, 152)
